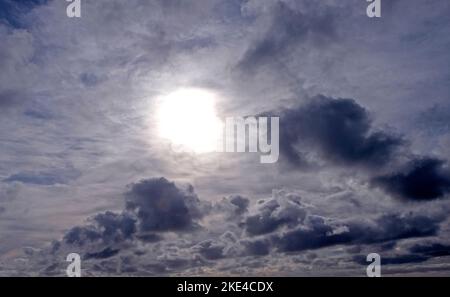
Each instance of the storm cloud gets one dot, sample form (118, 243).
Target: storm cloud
(422, 180)
(150, 205)
(319, 232)
(417, 253)
(340, 130)
(161, 206)
(106, 228)
(273, 214)
(279, 225)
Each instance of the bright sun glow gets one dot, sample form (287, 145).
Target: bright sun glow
(188, 119)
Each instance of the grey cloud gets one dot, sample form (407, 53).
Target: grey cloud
(273, 214)
(417, 253)
(422, 180)
(240, 202)
(8, 98)
(258, 247)
(11, 11)
(288, 225)
(106, 228)
(80, 235)
(319, 232)
(210, 249)
(431, 249)
(339, 129)
(289, 28)
(227, 245)
(393, 260)
(315, 234)
(104, 254)
(149, 237)
(151, 205)
(233, 206)
(161, 206)
(398, 226)
(115, 226)
(282, 224)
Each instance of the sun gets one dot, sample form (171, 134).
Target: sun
(187, 118)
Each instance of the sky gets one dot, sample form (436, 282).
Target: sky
(85, 166)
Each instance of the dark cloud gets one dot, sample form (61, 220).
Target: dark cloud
(289, 27)
(403, 259)
(210, 249)
(280, 224)
(106, 228)
(80, 235)
(240, 202)
(149, 237)
(422, 180)
(431, 249)
(233, 206)
(417, 253)
(275, 213)
(340, 130)
(258, 247)
(104, 254)
(397, 226)
(288, 225)
(11, 11)
(151, 205)
(78, 72)
(116, 226)
(316, 233)
(434, 120)
(319, 232)
(160, 206)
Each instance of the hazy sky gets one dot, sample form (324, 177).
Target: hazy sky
(364, 108)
